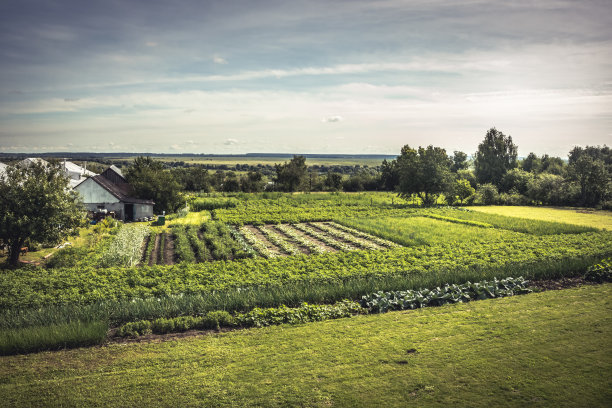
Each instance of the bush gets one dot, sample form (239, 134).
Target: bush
(487, 194)
(601, 272)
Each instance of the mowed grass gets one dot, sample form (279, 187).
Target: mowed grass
(587, 217)
(411, 231)
(192, 218)
(547, 349)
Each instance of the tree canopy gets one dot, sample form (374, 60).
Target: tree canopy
(424, 172)
(495, 156)
(150, 180)
(291, 176)
(36, 205)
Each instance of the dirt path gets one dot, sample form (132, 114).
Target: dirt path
(271, 247)
(154, 254)
(302, 248)
(169, 250)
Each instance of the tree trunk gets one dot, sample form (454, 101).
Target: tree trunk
(14, 251)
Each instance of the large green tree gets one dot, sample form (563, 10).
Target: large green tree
(424, 172)
(495, 156)
(292, 175)
(150, 180)
(36, 205)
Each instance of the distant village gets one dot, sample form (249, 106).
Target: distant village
(103, 194)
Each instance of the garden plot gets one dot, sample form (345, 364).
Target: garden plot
(271, 241)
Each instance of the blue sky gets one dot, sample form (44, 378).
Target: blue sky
(303, 76)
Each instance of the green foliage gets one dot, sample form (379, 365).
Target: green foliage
(52, 337)
(601, 272)
(303, 314)
(382, 302)
(291, 176)
(458, 221)
(488, 250)
(212, 203)
(125, 249)
(150, 247)
(463, 189)
(212, 320)
(182, 247)
(424, 172)
(37, 205)
(151, 181)
(487, 194)
(495, 156)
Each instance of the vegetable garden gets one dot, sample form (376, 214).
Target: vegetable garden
(279, 251)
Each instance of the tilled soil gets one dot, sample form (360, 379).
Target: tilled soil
(169, 250)
(271, 247)
(303, 249)
(155, 252)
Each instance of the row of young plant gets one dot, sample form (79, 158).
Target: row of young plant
(29, 288)
(259, 306)
(126, 247)
(379, 302)
(212, 241)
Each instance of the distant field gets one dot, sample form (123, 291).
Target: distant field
(587, 217)
(271, 160)
(547, 349)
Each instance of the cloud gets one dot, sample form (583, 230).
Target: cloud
(219, 60)
(151, 44)
(333, 119)
(231, 142)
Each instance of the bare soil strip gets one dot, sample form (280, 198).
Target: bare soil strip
(347, 243)
(169, 250)
(143, 249)
(302, 248)
(271, 247)
(153, 259)
(313, 239)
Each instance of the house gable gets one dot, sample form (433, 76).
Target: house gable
(93, 192)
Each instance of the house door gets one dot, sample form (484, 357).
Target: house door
(129, 212)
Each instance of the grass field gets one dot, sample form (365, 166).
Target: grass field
(535, 350)
(270, 160)
(586, 217)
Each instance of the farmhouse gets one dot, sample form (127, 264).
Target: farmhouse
(110, 192)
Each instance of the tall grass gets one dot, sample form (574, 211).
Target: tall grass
(529, 226)
(52, 337)
(415, 231)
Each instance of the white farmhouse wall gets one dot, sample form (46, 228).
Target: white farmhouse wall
(93, 193)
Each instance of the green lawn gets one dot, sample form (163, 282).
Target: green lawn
(546, 349)
(587, 217)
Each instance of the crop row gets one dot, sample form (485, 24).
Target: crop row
(126, 247)
(212, 241)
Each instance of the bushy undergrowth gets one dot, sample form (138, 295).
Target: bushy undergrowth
(601, 272)
(52, 337)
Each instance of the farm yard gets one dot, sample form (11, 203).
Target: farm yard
(241, 261)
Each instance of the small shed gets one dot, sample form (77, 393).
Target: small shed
(110, 191)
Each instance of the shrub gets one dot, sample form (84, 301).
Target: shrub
(487, 194)
(601, 272)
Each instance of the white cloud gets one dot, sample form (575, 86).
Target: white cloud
(231, 142)
(151, 44)
(333, 119)
(219, 60)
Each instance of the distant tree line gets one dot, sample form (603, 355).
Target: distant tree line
(426, 175)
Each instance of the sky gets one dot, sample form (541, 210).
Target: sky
(329, 76)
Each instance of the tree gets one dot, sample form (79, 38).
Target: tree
(252, 182)
(531, 163)
(463, 189)
(36, 205)
(389, 175)
(291, 176)
(516, 179)
(460, 161)
(333, 181)
(424, 172)
(593, 179)
(495, 156)
(151, 181)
